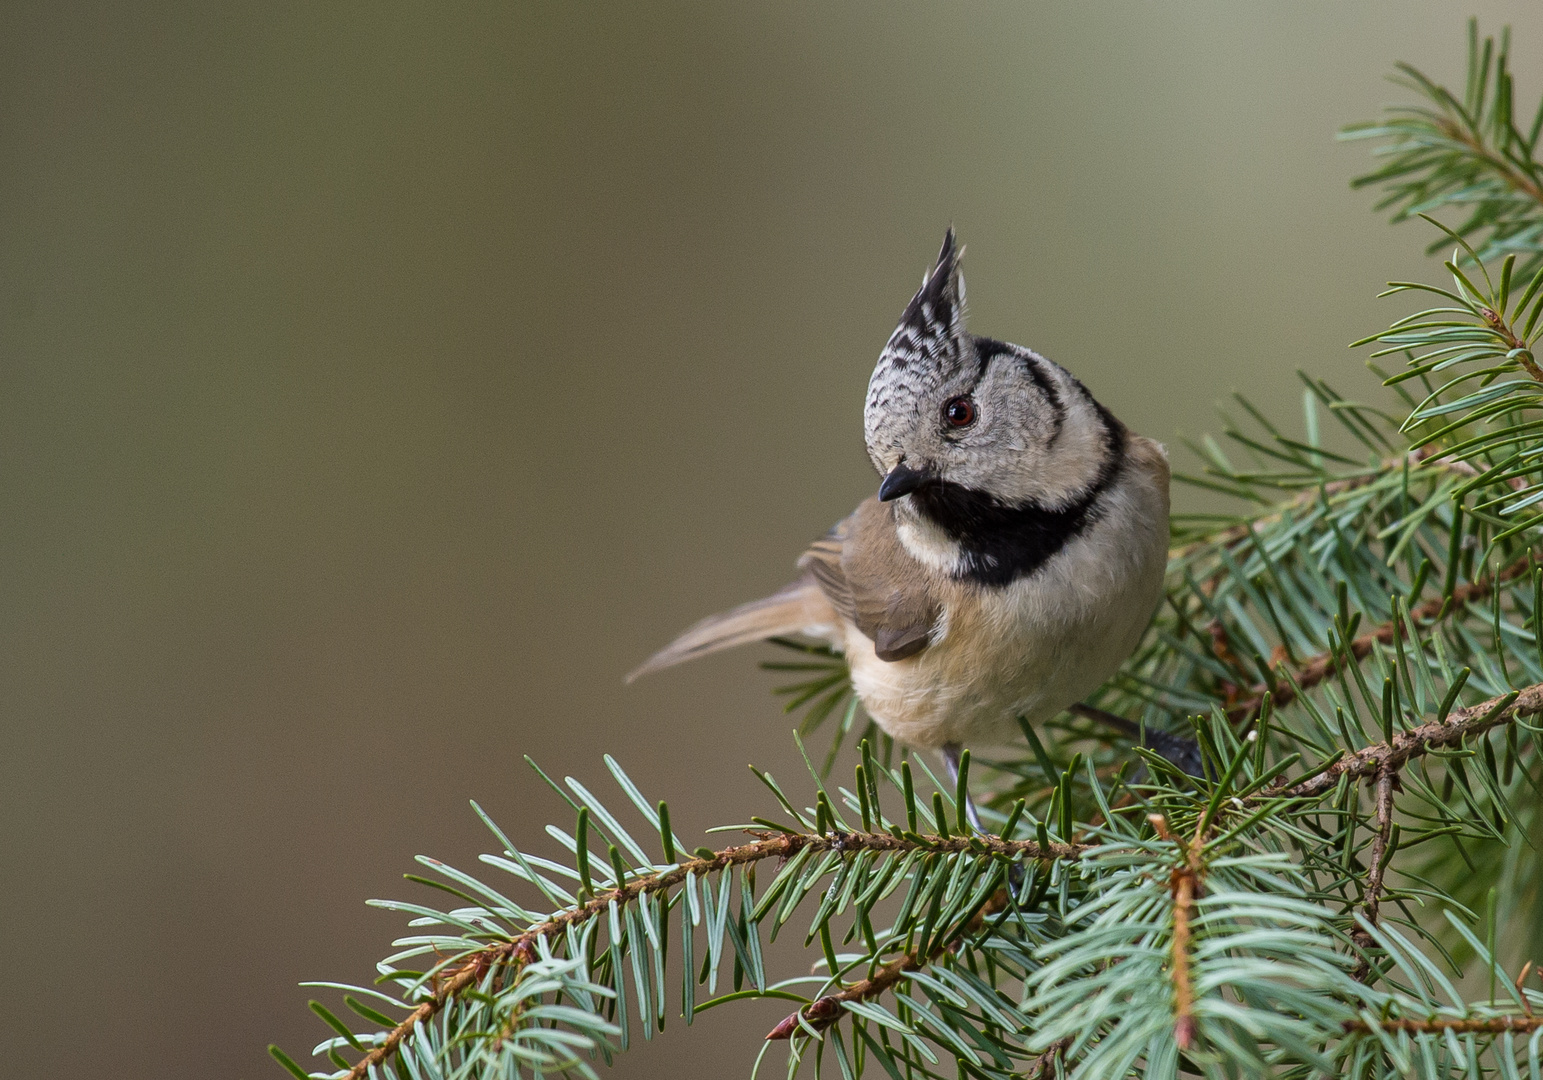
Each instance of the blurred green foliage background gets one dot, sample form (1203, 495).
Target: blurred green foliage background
(378, 383)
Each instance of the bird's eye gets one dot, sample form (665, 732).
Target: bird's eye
(959, 413)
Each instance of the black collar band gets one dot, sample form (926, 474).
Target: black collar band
(1000, 542)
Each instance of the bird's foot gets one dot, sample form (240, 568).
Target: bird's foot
(1183, 753)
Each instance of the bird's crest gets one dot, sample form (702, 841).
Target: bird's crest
(926, 349)
(933, 322)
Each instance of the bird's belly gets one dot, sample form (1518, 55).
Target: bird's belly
(949, 694)
(1029, 649)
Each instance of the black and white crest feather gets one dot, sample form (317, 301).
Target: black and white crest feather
(933, 322)
(927, 349)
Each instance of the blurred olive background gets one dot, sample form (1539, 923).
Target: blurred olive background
(378, 383)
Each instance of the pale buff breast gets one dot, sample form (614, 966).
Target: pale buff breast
(1038, 645)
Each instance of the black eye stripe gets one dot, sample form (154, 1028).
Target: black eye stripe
(987, 350)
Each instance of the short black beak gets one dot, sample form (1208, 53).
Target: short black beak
(902, 480)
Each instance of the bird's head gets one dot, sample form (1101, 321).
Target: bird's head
(950, 411)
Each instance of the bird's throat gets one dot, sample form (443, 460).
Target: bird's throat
(992, 543)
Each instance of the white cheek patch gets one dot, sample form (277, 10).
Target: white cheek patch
(926, 542)
(1060, 471)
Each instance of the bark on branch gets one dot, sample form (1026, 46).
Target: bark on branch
(1386, 779)
(1495, 1025)
(1416, 742)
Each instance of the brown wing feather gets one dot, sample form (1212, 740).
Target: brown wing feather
(823, 562)
(871, 579)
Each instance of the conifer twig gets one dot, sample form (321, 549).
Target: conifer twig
(1386, 779)
(1515, 178)
(1417, 742)
(825, 1011)
(1325, 664)
(1371, 905)
(1494, 1025)
(521, 950)
(1184, 883)
(1043, 1067)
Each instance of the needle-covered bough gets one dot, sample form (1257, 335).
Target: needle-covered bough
(1349, 886)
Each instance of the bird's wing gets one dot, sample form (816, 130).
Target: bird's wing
(823, 562)
(869, 577)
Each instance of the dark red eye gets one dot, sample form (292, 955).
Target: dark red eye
(960, 412)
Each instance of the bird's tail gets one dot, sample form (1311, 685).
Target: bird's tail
(798, 609)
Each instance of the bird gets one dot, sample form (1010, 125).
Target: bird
(1010, 560)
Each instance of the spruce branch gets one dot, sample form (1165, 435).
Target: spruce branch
(1371, 905)
(1044, 1066)
(1387, 779)
(823, 1012)
(1481, 331)
(466, 973)
(1493, 1025)
(1324, 665)
(508, 979)
(1185, 882)
(1463, 151)
(1409, 745)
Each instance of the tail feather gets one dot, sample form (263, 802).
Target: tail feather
(799, 608)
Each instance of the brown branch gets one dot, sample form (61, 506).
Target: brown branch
(825, 1011)
(1386, 779)
(1186, 883)
(1043, 1067)
(1417, 742)
(1493, 1026)
(520, 949)
(1326, 664)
